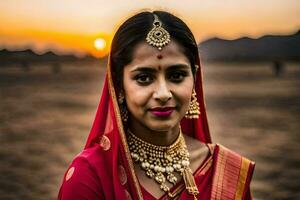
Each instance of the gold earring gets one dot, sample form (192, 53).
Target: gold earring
(122, 106)
(194, 109)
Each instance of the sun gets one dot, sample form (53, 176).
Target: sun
(100, 43)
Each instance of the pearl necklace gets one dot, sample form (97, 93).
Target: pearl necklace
(161, 162)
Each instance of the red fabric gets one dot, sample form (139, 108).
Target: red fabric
(107, 124)
(91, 179)
(96, 169)
(229, 178)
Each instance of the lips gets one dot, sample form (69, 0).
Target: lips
(162, 111)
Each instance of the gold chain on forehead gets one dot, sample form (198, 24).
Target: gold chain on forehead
(158, 36)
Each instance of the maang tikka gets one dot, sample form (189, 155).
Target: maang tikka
(158, 36)
(122, 106)
(194, 110)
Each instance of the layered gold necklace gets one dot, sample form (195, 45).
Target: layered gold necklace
(162, 162)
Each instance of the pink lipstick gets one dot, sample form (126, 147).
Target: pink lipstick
(162, 111)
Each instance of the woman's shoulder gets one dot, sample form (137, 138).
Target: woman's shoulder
(223, 152)
(89, 160)
(85, 162)
(216, 150)
(81, 177)
(231, 167)
(89, 155)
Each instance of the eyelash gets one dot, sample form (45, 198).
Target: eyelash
(148, 78)
(181, 75)
(141, 76)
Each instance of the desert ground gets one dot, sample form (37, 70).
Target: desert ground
(46, 113)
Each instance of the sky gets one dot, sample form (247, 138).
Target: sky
(72, 26)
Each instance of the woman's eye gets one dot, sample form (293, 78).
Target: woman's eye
(177, 76)
(143, 78)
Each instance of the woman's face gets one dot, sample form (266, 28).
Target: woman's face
(158, 86)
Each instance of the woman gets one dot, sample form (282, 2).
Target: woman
(150, 138)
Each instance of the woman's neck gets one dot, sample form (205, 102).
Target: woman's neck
(161, 138)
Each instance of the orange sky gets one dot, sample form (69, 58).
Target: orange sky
(71, 26)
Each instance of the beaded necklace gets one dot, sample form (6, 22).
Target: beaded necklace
(161, 162)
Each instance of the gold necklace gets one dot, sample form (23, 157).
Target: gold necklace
(161, 162)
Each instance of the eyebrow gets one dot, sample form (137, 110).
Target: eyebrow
(152, 70)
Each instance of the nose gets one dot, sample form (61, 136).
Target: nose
(162, 92)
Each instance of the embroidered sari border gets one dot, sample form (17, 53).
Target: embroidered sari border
(231, 172)
(205, 167)
(242, 178)
(121, 131)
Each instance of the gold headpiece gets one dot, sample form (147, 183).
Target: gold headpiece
(158, 36)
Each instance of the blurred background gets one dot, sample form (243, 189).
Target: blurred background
(52, 62)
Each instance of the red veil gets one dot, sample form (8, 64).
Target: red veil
(108, 123)
(106, 168)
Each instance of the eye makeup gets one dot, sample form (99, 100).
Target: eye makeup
(145, 75)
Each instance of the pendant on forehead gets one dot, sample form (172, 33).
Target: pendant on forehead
(158, 36)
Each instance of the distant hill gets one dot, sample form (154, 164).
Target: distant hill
(28, 56)
(266, 48)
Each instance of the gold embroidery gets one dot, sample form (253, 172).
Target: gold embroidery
(176, 192)
(242, 178)
(122, 175)
(105, 143)
(121, 131)
(70, 173)
(201, 76)
(233, 185)
(219, 174)
(205, 167)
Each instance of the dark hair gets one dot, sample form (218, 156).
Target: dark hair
(135, 30)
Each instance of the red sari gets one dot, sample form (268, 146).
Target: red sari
(104, 169)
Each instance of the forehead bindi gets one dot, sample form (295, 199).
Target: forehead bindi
(159, 56)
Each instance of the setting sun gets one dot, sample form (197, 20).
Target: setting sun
(100, 43)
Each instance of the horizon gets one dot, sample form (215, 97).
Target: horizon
(88, 54)
(37, 28)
